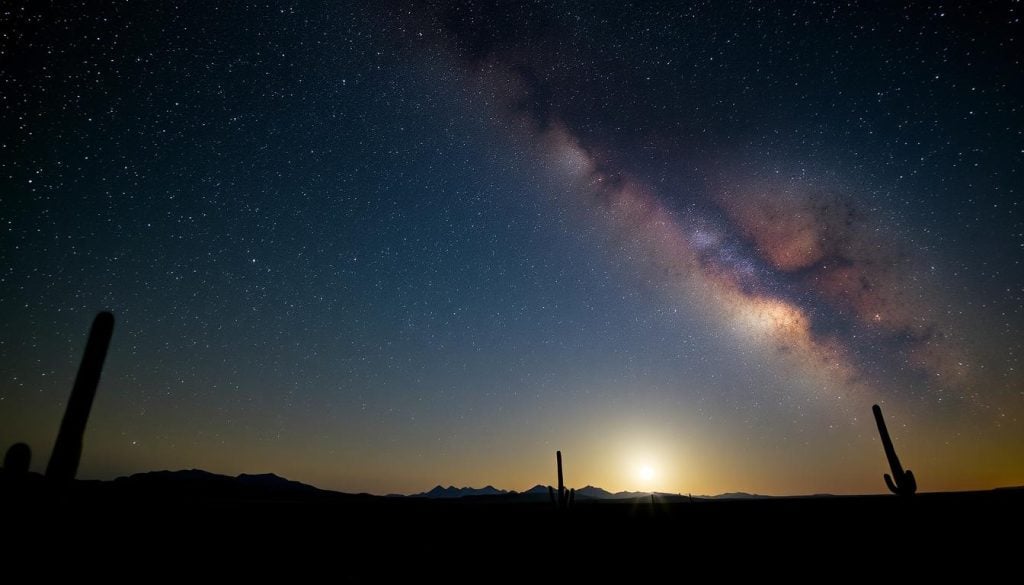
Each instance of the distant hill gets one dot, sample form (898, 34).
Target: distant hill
(454, 492)
(738, 496)
(196, 485)
(274, 482)
(193, 481)
(589, 491)
(603, 494)
(197, 480)
(537, 492)
(183, 475)
(594, 492)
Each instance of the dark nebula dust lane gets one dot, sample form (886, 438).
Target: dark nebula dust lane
(428, 243)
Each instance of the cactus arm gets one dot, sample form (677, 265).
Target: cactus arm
(892, 486)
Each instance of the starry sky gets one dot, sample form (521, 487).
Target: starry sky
(378, 247)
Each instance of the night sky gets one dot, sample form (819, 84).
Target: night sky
(385, 246)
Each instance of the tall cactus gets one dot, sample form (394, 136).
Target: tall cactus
(564, 499)
(902, 482)
(67, 451)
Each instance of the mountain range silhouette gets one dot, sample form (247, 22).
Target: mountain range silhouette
(275, 484)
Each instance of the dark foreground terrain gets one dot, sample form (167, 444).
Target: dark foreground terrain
(221, 521)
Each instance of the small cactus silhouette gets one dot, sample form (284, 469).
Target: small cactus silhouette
(901, 482)
(564, 499)
(67, 451)
(17, 460)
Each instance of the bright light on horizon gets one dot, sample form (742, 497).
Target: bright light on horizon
(646, 473)
(644, 464)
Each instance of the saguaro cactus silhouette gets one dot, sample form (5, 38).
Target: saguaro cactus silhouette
(902, 482)
(565, 498)
(68, 449)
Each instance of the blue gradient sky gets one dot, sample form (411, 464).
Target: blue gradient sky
(377, 249)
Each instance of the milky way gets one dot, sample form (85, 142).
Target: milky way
(377, 247)
(792, 263)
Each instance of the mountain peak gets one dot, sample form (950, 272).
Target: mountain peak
(454, 492)
(593, 492)
(259, 476)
